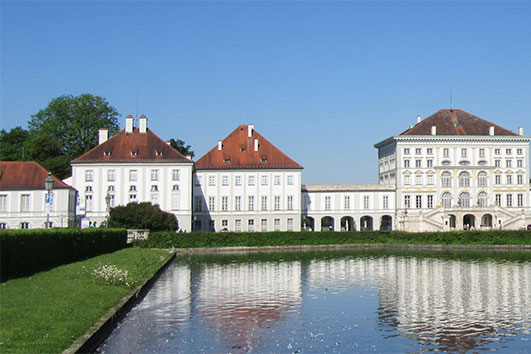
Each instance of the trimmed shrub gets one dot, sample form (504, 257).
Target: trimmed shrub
(142, 216)
(24, 252)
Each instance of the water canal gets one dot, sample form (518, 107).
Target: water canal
(334, 301)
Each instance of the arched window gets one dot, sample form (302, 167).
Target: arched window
(464, 200)
(483, 199)
(482, 179)
(447, 200)
(446, 179)
(464, 179)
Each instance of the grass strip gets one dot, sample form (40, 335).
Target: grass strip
(47, 312)
(257, 239)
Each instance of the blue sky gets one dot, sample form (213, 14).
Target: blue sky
(323, 81)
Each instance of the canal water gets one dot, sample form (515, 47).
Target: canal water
(383, 301)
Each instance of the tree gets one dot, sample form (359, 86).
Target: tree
(74, 122)
(180, 146)
(12, 144)
(142, 216)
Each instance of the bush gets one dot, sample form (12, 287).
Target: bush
(24, 252)
(142, 216)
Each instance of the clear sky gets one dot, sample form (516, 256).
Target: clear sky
(323, 81)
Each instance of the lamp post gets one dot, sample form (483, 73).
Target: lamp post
(108, 202)
(48, 185)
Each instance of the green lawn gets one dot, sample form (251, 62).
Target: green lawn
(48, 311)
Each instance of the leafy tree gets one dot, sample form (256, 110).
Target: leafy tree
(74, 122)
(47, 151)
(12, 144)
(142, 216)
(180, 146)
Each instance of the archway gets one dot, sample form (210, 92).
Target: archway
(387, 222)
(308, 223)
(347, 223)
(366, 223)
(453, 221)
(327, 223)
(469, 221)
(486, 220)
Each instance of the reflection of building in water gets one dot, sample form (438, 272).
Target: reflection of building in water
(453, 305)
(241, 298)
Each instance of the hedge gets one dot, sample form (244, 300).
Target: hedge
(24, 252)
(256, 239)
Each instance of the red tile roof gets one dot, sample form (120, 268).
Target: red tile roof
(238, 152)
(133, 147)
(456, 122)
(25, 175)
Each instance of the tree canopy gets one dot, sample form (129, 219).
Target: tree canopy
(12, 144)
(142, 216)
(180, 146)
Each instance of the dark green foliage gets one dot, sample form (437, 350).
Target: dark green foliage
(180, 146)
(142, 216)
(231, 239)
(12, 144)
(25, 252)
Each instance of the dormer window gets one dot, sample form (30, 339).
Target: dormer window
(134, 153)
(106, 153)
(242, 149)
(226, 160)
(158, 153)
(264, 160)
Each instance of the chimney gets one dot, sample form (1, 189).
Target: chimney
(103, 135)
(129, 124)
(433, 130)
(143, 124)
(255, 144)
(419, 118)
(491, 131)
(521, 131)
(220, 145)
(250, 129)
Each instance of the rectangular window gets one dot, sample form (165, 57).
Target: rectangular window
(418, 163)
(277, 180)
(520, 179)
(251, 202)
(133, 175)
(519, 163)
(429, 179)
(154, 175)
(508, 151)
(3, 226)
(89, 175)
(463, 152)
(225, 224)
(429, 151)
(211, 203)
(418, 180)
(407, 180)
(290, 224)
(519, 152)
(290, 180)
(224, 203)
(198, 204)
(406, 151)
(238, 203)
(111, 175)
(366, 202)
(327, 202)
(418, 151)
(520, 200)
(24, 225)
(264, 181)
(509, 200)
(498, 199)
(175, 200)
(238, 225)
(290, 202)
(481, 152)
(497, 163)
(224, 180)
(406, 163)
(251, 181)
(277, 202)
(346, 202)
(497, 151)
(154, 198)
(430, 163)
(263, 225)
(385, 203)
(3, 203)
(238, 180)
(497, 179)
(509, 179)
(25, 202)
(508, 163)
(264, 202)
(446, 152)
(250, 225)
(211, 180)
(277, 224)
(407, 201)
(175, 175)
(418, 201)
(430, 201)
(88, 203)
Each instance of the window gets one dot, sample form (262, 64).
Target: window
(446, 179)
(385, 203)
(111, 175)
(497, 151)
(224, 203)
(508, 151)
(89, 175)
(238, 180)
(276, 224)
(418, 201)
(154, 175)
(481, 153)
(198, 180)
(277, 202)
(509, 179)
(346, 202)
(418, 151)
(264, 202)
(175, 200)
(134, 153)
(483, 180)
(132, 188)
(418, 180)
(497, 179)
(175, 187)
(133, 175)
(211, 180)
(132, 199)
(497, 163)
(3, 226)
(211, 203)
(509, 200)
(175, 175)
(429, 163)
(327, 202)
(508, 163)
(406, 151)
(520, 200)
(445, 163)
(225, 224)
(290, 180)
(212, 225)
(110, 188)
(24, 225)
(520, 179)
(88, 188)
(407, 179)
(154, 198)
(251, 202)
(519, 163)
(238, 225)
(482, 163)
(264, 181)
(366, 202)
(290, 202)
(519, 151)
(198, 204)
(197, 225)
(446, 152)
(464, 179)
(238, 203)
(464, 200)
(88, 203)
(429, 151)
(25, 202)
(250, 225)
(446, 200)
(430, 179)
(498, 199)
(290, 224)
(406, 163)
(263, 225)
(250, 181)
(463, 152)
(224, 180)
(154, 188)
(418, 163)
(277, 180)
(430, 201)
(407, 201)
(483, 200)
(3, 203)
